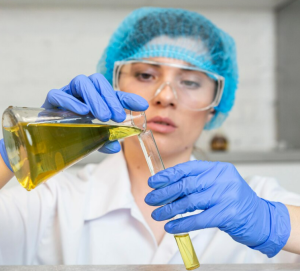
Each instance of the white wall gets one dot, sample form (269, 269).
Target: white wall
(44, 48)
(251, 124)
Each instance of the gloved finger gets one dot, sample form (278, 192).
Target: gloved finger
(109, 95)
(58, 98)
(166, 195)
(132, 101)
(196, 201)
(205, 171)
(110, 147)
(81, 86)
(183, 187)
(174, 174)
(4, 155)
(207, 219)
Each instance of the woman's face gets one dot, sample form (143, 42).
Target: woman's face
(175, 127)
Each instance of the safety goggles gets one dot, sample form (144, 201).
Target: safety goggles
(196, 89)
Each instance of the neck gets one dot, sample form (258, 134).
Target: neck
(138, 168)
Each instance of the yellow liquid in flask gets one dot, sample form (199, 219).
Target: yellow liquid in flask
(37, 151)
(187, 251)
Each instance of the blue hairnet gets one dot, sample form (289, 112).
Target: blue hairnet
(179, 34)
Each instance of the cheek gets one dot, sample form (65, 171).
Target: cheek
(192, 126)
(125, 86)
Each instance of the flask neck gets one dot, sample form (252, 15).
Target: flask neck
(138, 119)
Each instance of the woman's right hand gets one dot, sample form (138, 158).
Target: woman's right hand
(94, 94)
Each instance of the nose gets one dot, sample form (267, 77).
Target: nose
(165, 95)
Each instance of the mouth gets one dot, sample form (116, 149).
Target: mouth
(161, 125)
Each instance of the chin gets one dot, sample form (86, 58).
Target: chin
(167, 145)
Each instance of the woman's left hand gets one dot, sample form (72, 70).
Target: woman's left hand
(228, 203)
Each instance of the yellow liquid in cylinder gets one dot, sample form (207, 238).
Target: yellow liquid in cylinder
(37, 151)
(187, 251)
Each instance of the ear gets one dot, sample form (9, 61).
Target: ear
(210, 114)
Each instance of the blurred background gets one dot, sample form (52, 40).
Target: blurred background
(44, 44)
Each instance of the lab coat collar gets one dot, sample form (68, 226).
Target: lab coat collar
(109, 187)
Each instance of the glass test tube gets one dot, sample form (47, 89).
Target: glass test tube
(155, 165)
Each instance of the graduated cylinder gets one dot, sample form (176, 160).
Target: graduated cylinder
(42, 142)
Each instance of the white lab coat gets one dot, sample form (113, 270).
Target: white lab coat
(92, 218)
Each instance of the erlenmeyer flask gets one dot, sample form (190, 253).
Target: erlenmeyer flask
(41, 142)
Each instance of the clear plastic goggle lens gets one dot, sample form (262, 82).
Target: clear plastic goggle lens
(194, 88)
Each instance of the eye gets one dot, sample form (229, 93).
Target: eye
(144, 77)
(190, 84)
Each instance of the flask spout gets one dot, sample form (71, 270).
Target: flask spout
(138, 119)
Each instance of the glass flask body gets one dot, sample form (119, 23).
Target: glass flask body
(42, 142)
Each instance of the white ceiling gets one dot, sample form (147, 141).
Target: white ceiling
(266, 4)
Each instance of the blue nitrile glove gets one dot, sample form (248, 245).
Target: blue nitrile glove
(94, 94)
(228, 203)
(4, 154)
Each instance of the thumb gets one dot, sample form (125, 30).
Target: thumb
(110, 147)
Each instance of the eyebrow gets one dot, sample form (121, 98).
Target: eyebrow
(160, 65)
(154, 65)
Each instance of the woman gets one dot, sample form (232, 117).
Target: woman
(185, 68)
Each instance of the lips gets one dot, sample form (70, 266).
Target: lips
(161, 125)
